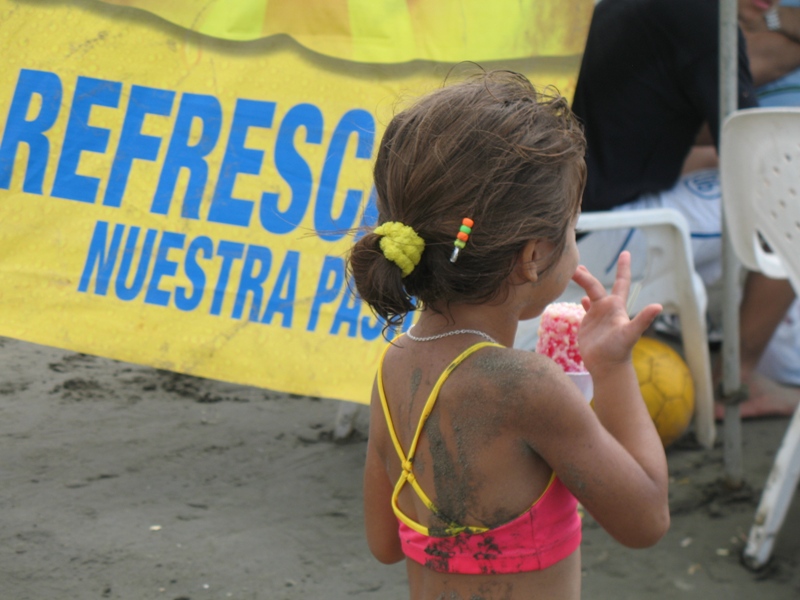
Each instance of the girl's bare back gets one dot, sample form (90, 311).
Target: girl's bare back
(472, 459)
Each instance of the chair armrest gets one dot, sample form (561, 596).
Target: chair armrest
(618, 219)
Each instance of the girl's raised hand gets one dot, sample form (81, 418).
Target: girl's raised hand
(607, 335)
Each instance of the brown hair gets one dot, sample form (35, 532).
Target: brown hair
(490, 148)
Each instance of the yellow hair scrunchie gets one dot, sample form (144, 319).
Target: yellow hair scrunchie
(401, 245)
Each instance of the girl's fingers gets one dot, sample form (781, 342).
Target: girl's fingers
(644, 318)
(622, 282)
(593, 288)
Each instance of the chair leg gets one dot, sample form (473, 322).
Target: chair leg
(776, 498)
(698, 359)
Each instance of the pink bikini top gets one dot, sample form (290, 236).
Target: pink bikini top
(549, 531)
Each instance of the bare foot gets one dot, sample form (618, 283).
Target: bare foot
(766, 398)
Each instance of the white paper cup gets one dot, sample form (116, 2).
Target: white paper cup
(584, 382)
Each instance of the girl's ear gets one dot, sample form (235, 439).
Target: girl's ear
(530, 257)
(527, 260)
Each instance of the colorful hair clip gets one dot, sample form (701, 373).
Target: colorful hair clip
(461, 238)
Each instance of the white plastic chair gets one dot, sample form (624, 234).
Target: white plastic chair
(760, 176)
(667, 278)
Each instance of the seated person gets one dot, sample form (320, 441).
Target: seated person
(648, 84)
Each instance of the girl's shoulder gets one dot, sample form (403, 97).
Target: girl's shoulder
(513, 376)
(502, 363)
(498, 375)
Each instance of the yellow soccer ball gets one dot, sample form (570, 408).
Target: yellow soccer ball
(667, 387)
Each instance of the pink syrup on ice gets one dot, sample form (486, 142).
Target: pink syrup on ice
(558, 335)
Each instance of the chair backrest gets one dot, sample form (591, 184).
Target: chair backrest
(760, 177)
(665, 270)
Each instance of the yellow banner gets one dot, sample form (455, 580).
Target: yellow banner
(182, 201)
(392, 31)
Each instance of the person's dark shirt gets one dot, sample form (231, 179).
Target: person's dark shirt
(648, 81)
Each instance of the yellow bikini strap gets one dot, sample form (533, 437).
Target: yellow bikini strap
(426, 411)
(389, 423)
(406, 462)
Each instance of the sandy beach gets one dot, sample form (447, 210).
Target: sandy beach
(122, 481)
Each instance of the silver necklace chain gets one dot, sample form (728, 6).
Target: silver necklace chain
(439, 336)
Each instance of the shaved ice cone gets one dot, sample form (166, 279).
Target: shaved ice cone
(558, 335)
(558, 339)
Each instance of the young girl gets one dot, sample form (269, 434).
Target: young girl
(478, 453)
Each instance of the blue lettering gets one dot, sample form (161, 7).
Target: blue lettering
(81, 137)
(347, 314)
(104, 258)
(293, 168)
(182, 155)
(195, 274)
(327, 290)
(132, 142)
(358, 122)
(238, 159)
(252, 282)
(229, 251)
(129, 292)
(284, 303)
(372, 326)
(163, 267)
(19, 130)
